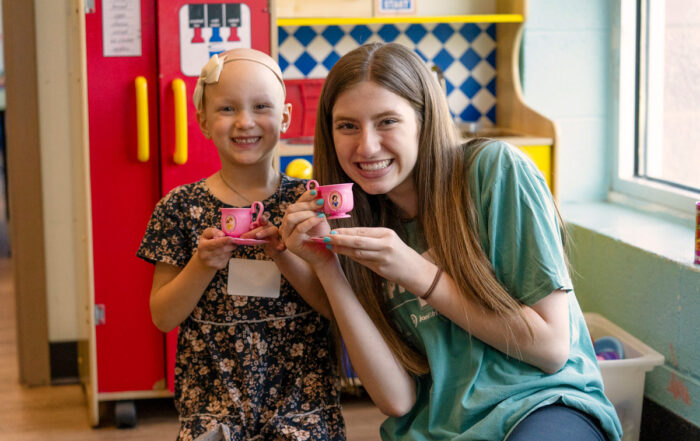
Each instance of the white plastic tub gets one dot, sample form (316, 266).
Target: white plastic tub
(624, 379)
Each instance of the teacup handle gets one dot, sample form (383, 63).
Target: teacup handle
(314, 182)
(258, 208)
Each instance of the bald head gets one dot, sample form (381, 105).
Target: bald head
(257, 57)
(212, 70)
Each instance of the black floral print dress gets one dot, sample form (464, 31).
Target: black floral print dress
(252, 368)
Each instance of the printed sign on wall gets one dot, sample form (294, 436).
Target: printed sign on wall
(394, 7)
(208, 29)
(121, 28)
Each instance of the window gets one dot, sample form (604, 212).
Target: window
(659, 106)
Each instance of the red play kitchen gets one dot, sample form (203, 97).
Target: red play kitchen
(143, 59)
(144, 140)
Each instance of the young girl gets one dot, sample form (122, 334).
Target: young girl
(451, 291)
(256, 367)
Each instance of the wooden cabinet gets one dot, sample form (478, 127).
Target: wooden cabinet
(538, 148)
(541, 154)
(324, 8)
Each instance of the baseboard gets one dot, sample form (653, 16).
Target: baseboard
(63, 357)
(658, 423)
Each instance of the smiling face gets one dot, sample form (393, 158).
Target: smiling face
(244, 113)
(375, 133)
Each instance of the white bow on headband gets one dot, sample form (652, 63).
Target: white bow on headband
(210, 74)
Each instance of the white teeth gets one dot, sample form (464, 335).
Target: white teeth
(372, 166)
(246, 140)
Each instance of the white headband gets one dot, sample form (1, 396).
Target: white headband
(212, 71)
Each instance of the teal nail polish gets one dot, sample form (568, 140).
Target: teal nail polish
(319, 201)
(326, 239)
(313, 192)
(321, 215)
(334, 232)
(330, 247)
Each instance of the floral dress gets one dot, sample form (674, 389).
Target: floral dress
(252, 368)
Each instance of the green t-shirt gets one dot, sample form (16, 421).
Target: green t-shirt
(473, 391)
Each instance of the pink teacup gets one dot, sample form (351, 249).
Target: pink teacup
(337, 198)
(236, 221)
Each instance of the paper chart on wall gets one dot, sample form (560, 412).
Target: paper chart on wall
(121, 28)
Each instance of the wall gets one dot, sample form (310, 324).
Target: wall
(569, 75)
(445, 7)
(465, 52)
(566, 76)
(360, 8)
(25, 196)
(653, 298)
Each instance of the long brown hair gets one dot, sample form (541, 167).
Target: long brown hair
(446, 211)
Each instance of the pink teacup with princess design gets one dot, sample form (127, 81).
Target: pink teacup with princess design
(337, 198)
(236, 221)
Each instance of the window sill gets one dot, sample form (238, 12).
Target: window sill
(663, 235)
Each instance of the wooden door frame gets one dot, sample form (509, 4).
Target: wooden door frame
(25, 197)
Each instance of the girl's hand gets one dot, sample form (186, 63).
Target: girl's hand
(267, 231)
(215, 248)
(379, 249)
(302, 221)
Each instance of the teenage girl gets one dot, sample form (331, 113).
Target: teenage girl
(449, 283)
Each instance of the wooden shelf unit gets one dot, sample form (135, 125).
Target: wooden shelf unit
(512, 114)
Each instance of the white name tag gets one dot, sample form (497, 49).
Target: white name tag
(254, 278)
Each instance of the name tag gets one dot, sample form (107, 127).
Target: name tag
(253, 278)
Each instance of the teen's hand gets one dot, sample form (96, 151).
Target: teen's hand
(215, 248)
(302, 221)
(270, 233)
(379, 249)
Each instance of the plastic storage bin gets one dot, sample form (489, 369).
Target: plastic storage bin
(624, 379)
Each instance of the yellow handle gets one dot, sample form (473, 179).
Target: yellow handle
(143, 148)
(180, 101)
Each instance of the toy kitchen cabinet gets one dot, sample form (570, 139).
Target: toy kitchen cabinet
(143, 59)
(475, 45)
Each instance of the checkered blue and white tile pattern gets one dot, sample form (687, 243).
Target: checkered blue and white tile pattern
(466, 53)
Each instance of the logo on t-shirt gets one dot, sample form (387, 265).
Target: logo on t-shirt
(417, 319)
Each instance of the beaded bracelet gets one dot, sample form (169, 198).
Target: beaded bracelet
(432, 285)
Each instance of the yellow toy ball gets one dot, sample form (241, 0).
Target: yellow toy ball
(299, 168)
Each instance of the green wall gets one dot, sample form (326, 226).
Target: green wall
(656, 300)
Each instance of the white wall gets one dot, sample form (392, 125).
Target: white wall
(567, 76)
(455, 7)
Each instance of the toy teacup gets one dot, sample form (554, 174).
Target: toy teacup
(337, 198)
(236, 221)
